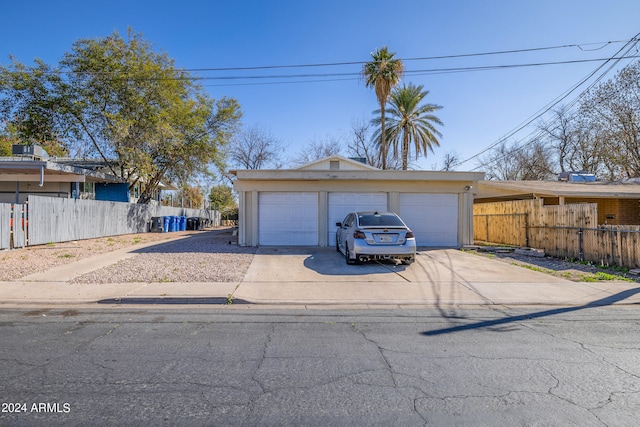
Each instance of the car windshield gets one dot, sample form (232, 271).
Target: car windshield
(379, 220)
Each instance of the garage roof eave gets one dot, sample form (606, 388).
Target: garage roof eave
(378, 175)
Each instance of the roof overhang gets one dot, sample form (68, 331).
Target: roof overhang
(350, 175)
(49, 171)
(247, 180)
(518, 190)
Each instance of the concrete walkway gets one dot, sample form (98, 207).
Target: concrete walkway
(315, 277)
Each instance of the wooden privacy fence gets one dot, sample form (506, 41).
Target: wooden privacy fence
(606, 245)
(511, 229)
(565, 231)
(523, 222)
(52, 219)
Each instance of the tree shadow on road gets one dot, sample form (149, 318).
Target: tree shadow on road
(610, 300)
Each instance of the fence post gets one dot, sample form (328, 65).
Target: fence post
(526, 229)
(613, 249)
(580, 245)
(486, 218)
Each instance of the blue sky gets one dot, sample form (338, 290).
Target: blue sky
(479, 107)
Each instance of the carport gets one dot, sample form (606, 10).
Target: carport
(299, 207)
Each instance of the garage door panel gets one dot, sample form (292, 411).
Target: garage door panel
(288, 219)
(340, 204)
(432, 217)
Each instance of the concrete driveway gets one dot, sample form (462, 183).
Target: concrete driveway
(319, 277)
(438, 277)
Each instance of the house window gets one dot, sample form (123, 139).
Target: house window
(334, 165)
(83, 190)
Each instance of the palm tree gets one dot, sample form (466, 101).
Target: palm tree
(383, 73)
(411, 122)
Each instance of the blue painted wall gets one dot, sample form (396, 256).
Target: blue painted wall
(113, 192)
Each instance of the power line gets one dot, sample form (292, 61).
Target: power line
(355, 75)
(616, 58)
(426, 58)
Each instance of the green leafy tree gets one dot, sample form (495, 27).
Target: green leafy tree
(121, 100)
(5, 146)
(411, 123)
(29, 106)
(190, 197)
(383, 73)
(222, 199)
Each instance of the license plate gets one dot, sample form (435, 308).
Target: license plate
(385, 239)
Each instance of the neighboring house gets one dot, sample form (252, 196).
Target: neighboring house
(299, 207)
(618, 202)
(33, 172)
(116, 192)
(24, 175)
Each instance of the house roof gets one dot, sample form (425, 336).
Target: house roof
(98, 165)
(15, 169)
(349, 170)
(344, 163)
(510, 190)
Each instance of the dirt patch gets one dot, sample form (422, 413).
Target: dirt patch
(574, 271)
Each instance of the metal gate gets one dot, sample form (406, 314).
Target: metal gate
(13, 226)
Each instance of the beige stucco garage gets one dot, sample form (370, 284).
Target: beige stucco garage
(299, 207)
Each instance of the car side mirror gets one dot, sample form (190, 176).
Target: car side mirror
(338, 224)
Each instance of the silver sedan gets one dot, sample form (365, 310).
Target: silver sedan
(365, 236)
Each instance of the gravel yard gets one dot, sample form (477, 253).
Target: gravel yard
(200, 256)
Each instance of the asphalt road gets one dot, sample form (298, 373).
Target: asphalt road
(245, 366)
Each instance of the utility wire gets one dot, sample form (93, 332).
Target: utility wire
(356, 75)
(426, 58)
(613, 61)
(333, 77)
(186, 71)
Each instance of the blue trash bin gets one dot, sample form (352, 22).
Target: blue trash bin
(166, 220)
(183, 223)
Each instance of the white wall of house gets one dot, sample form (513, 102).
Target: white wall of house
(8, 190)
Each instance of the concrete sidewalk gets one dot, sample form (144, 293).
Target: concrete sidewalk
(320, 277)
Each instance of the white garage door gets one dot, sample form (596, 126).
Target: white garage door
(432, 217)
(340, 204)
(288, 219)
